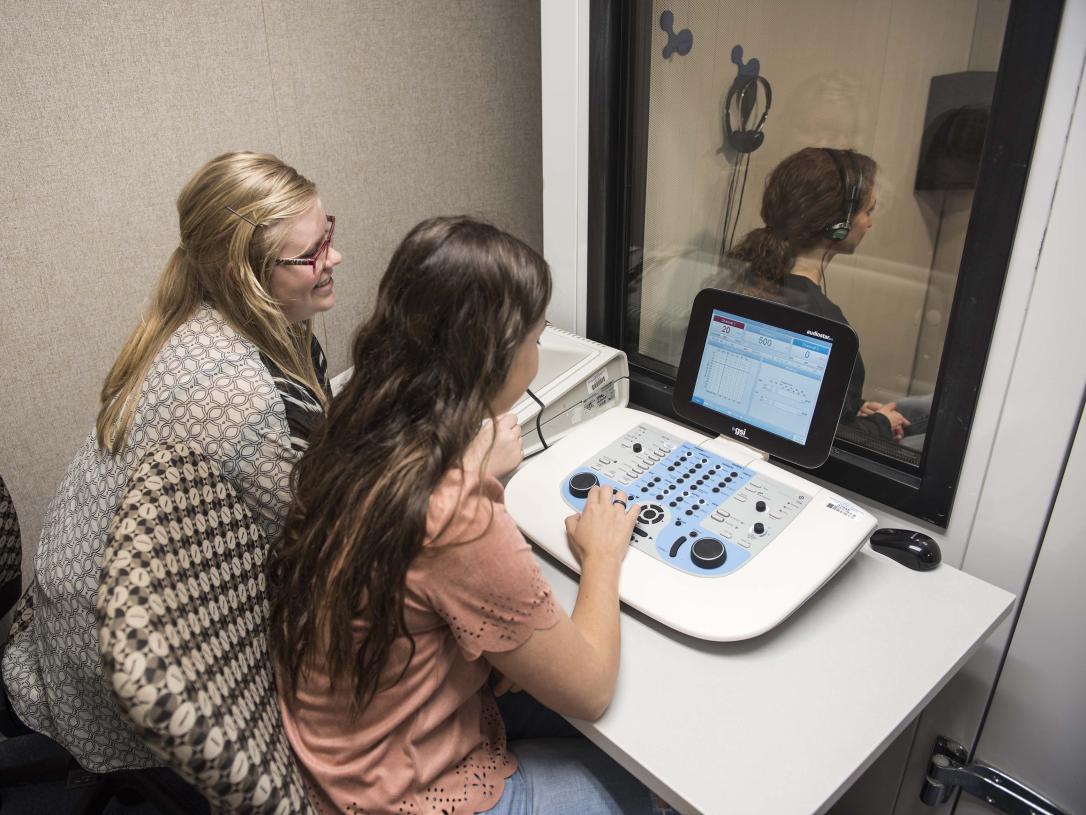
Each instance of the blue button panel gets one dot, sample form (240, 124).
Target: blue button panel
(700, 512)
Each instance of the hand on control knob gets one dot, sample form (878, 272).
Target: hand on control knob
(601, 533)
(496, 454)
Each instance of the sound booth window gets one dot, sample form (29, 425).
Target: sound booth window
(802, 153)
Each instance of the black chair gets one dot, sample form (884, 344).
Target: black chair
(25, 757)
(11, 552)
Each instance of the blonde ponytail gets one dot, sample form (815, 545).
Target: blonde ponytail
(233, 218)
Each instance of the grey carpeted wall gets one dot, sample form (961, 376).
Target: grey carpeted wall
(398, 110)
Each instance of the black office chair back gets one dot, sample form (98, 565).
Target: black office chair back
(11, 584)
(11, 552)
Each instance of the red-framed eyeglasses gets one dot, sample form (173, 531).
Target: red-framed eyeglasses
(318, 258)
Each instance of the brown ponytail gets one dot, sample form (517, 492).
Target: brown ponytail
(765, 258)
(802, 198)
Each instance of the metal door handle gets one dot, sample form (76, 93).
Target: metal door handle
(948, 771)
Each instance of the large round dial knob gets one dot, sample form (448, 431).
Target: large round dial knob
(708, 553)
(581, 484)
(758, 528)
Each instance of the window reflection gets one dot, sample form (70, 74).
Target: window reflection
(873, 120)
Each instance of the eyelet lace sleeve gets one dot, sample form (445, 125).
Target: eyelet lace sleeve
(485, 582)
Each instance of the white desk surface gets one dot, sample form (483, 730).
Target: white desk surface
(785, 722)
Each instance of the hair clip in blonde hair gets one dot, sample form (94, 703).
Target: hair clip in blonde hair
(247, 220)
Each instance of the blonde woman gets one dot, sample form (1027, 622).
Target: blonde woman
(225, 356)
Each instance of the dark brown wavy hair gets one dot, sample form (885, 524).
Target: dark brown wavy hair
(457, 300)
(802, 199)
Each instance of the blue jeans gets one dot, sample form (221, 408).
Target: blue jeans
(560, 772)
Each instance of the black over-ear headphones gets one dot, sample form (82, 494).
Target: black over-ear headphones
(746, 141)
(849, 192)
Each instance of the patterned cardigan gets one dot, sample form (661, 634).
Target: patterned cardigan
(207, 384)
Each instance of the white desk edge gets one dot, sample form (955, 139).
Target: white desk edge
(786, 722)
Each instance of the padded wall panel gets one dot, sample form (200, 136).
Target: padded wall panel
(111, 107)
(397, 111)
(402, 111)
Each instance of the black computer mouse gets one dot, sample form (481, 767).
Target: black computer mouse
(909, 548)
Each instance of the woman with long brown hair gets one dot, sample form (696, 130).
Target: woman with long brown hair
(225, 358)
(817, 203)
(401, 580)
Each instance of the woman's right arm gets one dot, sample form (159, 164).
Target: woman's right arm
(572, 666)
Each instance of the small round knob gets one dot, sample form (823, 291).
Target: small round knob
(759, 528)
(708, 553)
(581, 484)
(637, 447)
(760, 506)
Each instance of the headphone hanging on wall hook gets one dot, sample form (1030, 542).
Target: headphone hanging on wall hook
(744, 93)
(680, 43)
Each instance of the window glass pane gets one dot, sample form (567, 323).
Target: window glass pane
(869, 146)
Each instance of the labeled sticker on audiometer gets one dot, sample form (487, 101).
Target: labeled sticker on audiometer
(846, 508)
(600, 399)
(597, 380)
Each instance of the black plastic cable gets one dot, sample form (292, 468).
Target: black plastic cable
(739, 207)
(724, 245)
(559, 415)
(538, 418)
(822, 273)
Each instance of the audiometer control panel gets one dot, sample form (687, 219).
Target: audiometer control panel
(700, 513)
(727, 544)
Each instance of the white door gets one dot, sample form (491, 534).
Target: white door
(1021, 702)
(1035, 729)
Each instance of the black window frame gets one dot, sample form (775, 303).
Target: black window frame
(619, 50)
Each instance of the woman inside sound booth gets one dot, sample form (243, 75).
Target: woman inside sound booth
(818, 203)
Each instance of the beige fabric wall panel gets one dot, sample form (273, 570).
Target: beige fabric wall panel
(401, 111)
(397, 111)
(110, 107)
